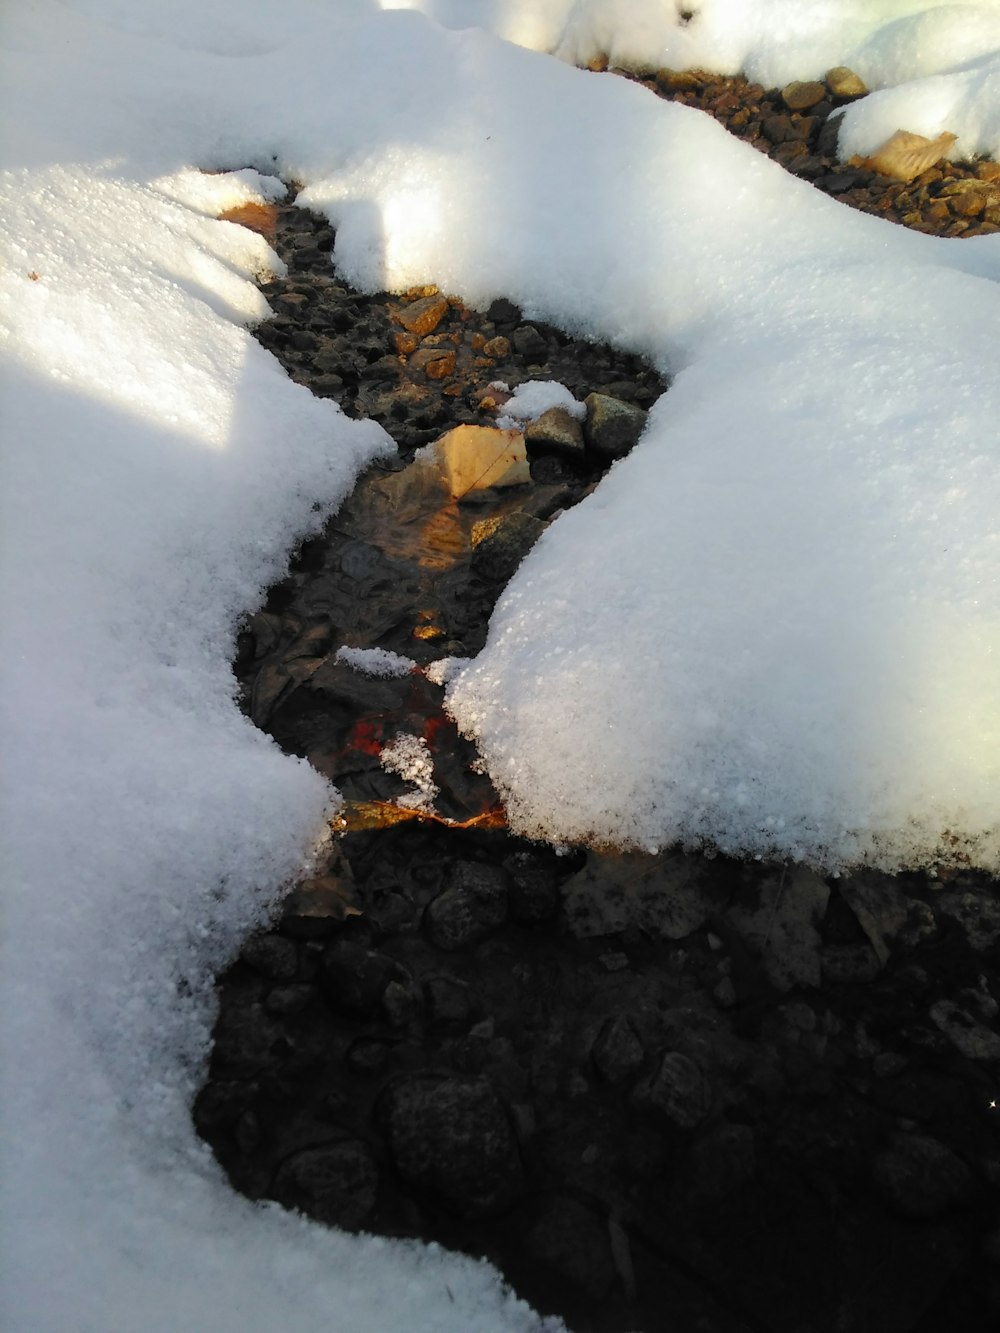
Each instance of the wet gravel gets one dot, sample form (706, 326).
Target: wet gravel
(672, 1092)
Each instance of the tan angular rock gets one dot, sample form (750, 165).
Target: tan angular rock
(472, 458)
(904, 156)
(801, 96)
(843, 82)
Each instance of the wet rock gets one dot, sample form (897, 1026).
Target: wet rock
(221, 1103)
(336, 1183)
(498, 348)
(529, 343)
(422, 317)
(284, 1001)
(248, 1042)
(880, 906)
(658, 895)
(400, 1003)
(448, 1000)
(569, 1239)
(272, 957)
(976, 913)
(801, 96)
(499, 545)
(450, 1138)
(973, 1039)
(617, 1052)
(720, 1163)
(678, 1089)
(612, 427)
(316, 906)
(473, 905)
(919, 1177)
(533, 892)
(785, 926)
(844, 83)
(558, 431)
(849, 964)
(354, 978)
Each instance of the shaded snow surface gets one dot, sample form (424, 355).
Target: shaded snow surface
(772, 626)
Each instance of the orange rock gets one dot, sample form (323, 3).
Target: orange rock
(423, 316)
(262, 218)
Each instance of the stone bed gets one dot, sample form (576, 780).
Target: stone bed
(668, 1092)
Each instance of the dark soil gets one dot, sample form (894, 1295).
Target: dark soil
(670, 1093)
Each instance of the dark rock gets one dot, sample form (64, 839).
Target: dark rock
(617, 1052)
(503, 312)
(572, 1241)
(400, 1003)
(336, 1183)
(448, 1000)
(678, 1089)
(272, 957)
(919, 1177)
(284, 1001)
(499, 545)
(721, 1162)
(368, 1055)
(473, 904)
(530, 344)
(354, 978)
(612, 427)
(220, 1104)
(533, 893)
(450, 1138)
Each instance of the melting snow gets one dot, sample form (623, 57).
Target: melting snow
(773, 626)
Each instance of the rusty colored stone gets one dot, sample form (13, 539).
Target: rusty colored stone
(423, 316)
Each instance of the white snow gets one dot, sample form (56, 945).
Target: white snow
(773, 626)
(376, 661)
(410, 757)
(533, 398)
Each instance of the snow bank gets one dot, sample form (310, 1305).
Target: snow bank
(784, 643)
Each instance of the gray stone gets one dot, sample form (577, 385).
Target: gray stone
(919, 1177)
(336, 1183)
(450, 1138)
(612, 427)
(679, 1090)
(617, 1052)
(558, 431)
(473, 904)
